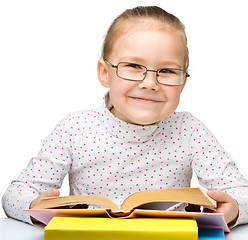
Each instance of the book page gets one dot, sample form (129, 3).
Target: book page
(52, 202)
(187, 195)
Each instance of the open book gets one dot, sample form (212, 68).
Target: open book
(55, 206)
(195, 196)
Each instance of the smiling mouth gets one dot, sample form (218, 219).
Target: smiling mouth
(145, 100)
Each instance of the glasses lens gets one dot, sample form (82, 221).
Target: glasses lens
(131, 71)
(170, 76)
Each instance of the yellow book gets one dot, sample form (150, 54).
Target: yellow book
(65, 228)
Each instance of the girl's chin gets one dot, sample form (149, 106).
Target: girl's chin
(138, 117)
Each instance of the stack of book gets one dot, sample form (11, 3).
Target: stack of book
(129, 222)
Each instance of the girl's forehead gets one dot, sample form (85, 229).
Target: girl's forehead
(155, 44)
(132, 30)
(128, 28)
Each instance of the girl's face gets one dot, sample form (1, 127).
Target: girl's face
(144, 102)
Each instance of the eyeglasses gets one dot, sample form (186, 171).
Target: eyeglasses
(137, 72)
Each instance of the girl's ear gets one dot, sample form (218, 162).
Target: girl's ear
(102, 72)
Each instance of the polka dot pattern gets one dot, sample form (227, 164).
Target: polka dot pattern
(111, 158)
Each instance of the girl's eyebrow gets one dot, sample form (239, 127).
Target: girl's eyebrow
(131, 58)
(169, 64)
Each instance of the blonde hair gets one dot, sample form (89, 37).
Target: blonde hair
(153, 12)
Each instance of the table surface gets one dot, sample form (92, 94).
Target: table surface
(11, 229)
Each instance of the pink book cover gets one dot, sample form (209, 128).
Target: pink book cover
(204, 220)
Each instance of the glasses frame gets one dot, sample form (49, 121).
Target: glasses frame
(148, 70)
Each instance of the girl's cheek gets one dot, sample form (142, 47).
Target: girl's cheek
(173, 92)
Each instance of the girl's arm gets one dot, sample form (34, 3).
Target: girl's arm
(45, 172)
(216, 170)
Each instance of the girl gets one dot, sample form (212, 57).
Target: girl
(136, 140)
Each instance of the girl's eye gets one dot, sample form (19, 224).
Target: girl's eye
(167, 71)
(134, 66)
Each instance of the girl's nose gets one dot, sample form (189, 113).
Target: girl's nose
(150, 82)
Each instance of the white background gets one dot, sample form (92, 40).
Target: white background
(48, 55)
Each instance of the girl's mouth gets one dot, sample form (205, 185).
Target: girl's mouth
(145, 100)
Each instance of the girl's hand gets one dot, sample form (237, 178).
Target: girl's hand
(226, 205)
(52, 193)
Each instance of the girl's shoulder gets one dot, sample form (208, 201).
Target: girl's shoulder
(80, 117)
(84, 114)
(186, 121)
(184, 117)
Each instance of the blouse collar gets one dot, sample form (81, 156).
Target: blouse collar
(124, 131)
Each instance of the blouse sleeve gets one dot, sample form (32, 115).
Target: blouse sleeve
(215, 168)
(44, 172)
